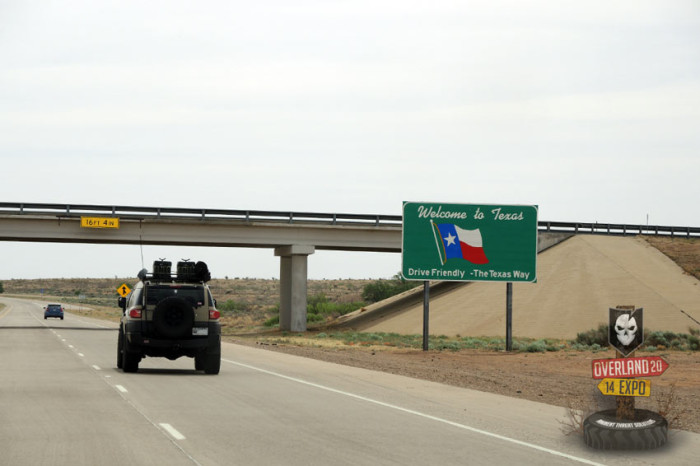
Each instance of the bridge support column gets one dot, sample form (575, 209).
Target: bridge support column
(293, 278)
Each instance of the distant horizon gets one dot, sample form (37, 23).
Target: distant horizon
(213, 278)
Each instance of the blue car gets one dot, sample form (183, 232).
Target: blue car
(53, 310)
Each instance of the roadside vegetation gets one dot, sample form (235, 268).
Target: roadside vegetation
(383, 289)
(318, 309)
(245, 316)
(247, 305)
(653, 340)
(321, 308)
(591, 341)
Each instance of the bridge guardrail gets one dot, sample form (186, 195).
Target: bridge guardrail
(388, 221)
(136, 212)
(617, 229)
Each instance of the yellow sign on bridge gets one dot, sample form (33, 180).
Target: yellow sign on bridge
(99, 222)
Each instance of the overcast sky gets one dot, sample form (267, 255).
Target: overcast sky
(590, 110)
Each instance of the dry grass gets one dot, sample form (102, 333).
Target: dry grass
(258, 297)
(577, 410)
(254, 292)
(667, 404)
(683, 251)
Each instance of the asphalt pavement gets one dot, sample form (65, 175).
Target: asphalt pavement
(64, 402)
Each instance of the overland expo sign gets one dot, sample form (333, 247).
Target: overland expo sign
(646, 366)
(626, 329)
(468, 242)
(625, 387)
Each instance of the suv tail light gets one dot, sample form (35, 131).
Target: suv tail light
(135, 313)
(214, 314)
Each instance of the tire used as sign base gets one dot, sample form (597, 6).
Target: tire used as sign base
(602, 430)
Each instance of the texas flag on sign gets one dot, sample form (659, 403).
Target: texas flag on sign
(457, 243)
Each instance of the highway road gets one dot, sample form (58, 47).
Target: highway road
(64, 402)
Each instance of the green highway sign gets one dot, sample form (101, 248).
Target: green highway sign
(469, 242)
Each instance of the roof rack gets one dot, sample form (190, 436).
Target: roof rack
(186, 272)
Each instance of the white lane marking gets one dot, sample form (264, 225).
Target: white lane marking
(71, 346)
(97, 368)
(81, 355)
(90, 322)
(172, 431)
(418, 413)
(165, 429)
(172, 437)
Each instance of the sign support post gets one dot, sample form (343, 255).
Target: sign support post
(509, 316)
(426, 314)
(625, 404)
(626, 334)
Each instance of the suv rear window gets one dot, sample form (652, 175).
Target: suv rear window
(192, 294)
(54, 307)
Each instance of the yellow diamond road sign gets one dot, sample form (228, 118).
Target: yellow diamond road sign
(625, 387)
(123, 290)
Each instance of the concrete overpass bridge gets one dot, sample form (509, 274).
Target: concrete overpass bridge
(292, 235)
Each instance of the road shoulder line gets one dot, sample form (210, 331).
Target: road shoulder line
(418, 413)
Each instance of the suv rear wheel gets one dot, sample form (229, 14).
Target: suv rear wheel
(208, 361)
(120, 348)
(212, 364)
(199, 361)
(130, 359)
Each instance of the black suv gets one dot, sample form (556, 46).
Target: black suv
(170, 315)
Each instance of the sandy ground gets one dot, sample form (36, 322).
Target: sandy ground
(578, 281)
(561, 378)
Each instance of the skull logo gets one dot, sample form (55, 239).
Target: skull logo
(626, 329)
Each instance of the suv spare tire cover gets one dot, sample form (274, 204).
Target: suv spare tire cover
(173, 317)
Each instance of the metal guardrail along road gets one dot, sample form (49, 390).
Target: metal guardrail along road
(255, 216)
